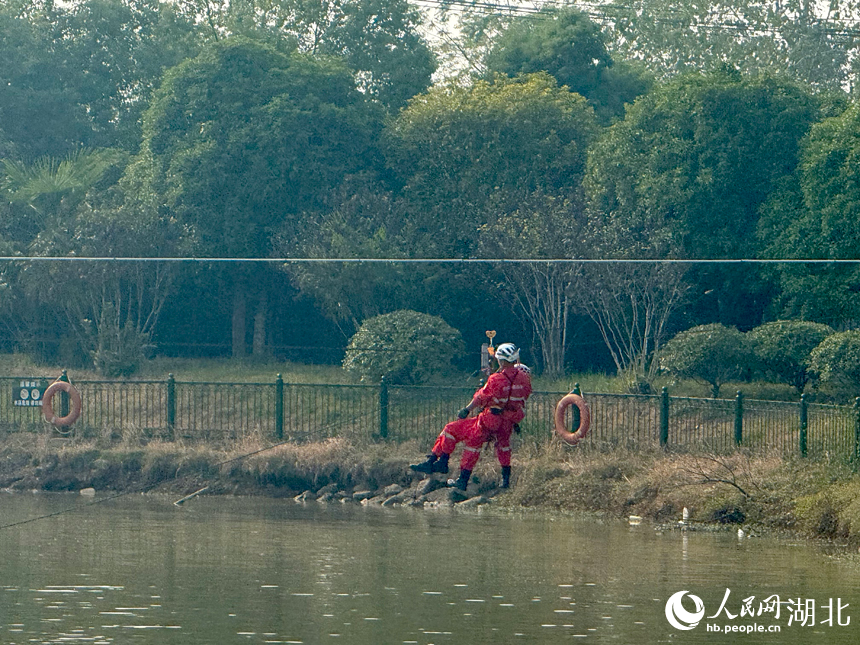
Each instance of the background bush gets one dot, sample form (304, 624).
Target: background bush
(781, 349)
(711, 353)
(405, 346)
(836, 364)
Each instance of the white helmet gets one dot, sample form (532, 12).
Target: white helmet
(508, 352)
(524, 368)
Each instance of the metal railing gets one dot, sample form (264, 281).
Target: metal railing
(171, 410)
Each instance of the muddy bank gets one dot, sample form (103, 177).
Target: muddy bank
(812, 499)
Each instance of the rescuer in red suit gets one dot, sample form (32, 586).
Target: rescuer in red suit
(501, 402)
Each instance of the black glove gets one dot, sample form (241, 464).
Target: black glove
(517, 428)
(462, 414)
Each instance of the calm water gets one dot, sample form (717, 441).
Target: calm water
(216, 570)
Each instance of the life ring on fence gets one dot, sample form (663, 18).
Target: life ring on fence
(74, 404)
(572, 438)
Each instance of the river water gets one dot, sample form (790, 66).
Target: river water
(235, 570)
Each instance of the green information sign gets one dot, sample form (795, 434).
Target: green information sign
(29, 392)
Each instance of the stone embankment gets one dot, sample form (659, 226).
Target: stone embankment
(431, 492)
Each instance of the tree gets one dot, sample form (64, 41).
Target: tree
(632, 306)
(781, 349)
(836, 363)
(403, 346)
(711, 353)
(694, 161)
(378, 39)
(495, 169)
(244, 138)
(53, 188)
(80, 74)
(569, 46)
(814, 215)
(687, 171)
(362, 221)
(381, 41)
(365, 219)
(811, 43)
(464, 154)
(546, 227)
(118, 51)
(111, 309)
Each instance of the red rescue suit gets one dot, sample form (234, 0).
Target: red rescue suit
(502, 400)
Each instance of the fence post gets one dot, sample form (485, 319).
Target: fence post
(804, 418)
(856, 454)
(575, 417)
(171, 406)
(279, 407)
(664, 417)
(64, 396)
(383, 408)
(739, 418)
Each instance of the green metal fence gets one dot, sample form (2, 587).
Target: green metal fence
(171, 410)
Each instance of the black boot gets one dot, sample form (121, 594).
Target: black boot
(506, 476)
(462, 481)
(427, 466)
(441, 464)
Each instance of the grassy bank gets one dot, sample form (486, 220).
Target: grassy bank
(812, 499)
(770, 494)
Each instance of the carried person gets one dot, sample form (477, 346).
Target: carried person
(501, 402)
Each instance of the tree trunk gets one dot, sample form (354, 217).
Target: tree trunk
(541, 293)
(239, 310)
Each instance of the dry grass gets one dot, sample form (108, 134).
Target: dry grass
(816, 499)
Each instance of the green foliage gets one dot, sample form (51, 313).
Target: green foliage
(52, 188)
(81, 73)
(495, 169)
(404, 346)
(542, 226)
(242, 137)
(685, 174)
(569, 46)
(836, 364)
(242, 142)
(467, 154)
(74, 207)
(816, 214)
(711, 353)
(361, 222)
(781, 349)
(675, 36)
(379, 40)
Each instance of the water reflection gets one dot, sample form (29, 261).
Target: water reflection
(140, 570)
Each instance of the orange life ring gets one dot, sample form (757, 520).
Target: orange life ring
(572, 438)
(74, 404)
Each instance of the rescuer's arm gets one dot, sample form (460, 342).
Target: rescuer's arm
(468, 409)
